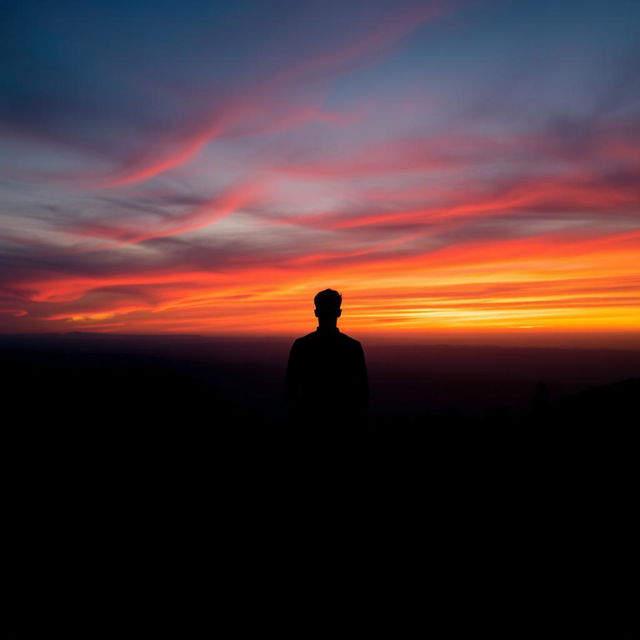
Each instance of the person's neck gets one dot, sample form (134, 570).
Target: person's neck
(327, 327)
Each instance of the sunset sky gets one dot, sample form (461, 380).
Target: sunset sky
(207, 167)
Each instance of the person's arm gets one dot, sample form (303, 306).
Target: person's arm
(292, 377)
(363, 380)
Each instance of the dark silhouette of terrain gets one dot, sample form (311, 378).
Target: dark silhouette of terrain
(485, 464)
(613, 405)
(133, 383)
(326, 381)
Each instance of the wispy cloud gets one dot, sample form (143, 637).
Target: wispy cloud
(443, 166)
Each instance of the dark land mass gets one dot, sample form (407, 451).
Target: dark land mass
(143, 381)
(504, 479)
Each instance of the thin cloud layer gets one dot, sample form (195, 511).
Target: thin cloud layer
(208, 167)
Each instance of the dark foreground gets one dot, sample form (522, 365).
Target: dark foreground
(491, 494)
(187, 382)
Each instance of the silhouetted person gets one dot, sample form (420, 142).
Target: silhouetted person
(326, 383)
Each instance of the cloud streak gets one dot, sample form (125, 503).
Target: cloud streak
(437, 169)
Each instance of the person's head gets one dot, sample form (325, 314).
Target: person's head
(328, 305)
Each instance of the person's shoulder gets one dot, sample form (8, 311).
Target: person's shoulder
(349, 340)
(306, 339)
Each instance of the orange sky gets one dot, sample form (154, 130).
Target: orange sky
(548, 284)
